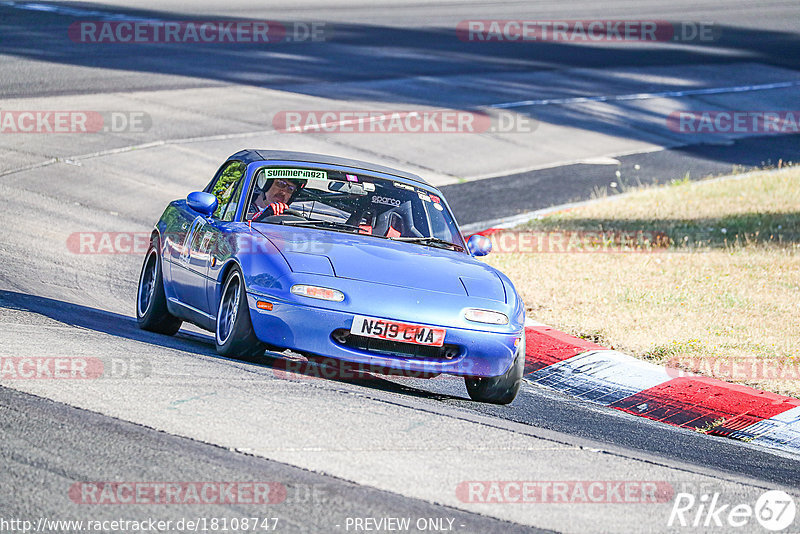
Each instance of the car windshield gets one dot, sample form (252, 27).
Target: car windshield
(357, 203)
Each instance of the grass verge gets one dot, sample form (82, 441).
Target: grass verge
(717, 294)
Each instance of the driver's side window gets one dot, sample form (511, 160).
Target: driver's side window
(228, 190)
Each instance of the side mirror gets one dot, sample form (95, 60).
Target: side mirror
(204, 203)
(479, 245)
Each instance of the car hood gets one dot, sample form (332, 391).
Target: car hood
(381, 261)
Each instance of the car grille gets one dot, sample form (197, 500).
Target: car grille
(394, 348)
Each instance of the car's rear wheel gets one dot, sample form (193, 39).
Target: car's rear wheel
(234, 333)
(499, 389)
(151, 302)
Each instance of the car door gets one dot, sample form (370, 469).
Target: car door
(193, 257)
(218, 242)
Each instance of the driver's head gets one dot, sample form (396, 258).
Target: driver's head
(282, 190)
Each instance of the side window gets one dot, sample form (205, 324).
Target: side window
(230, 210)
(225, 189)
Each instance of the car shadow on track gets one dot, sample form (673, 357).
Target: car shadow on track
(330, 369)
(106, 322)
(283, 367)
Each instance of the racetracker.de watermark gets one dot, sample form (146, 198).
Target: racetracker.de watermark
(73, 368)
(202, 242)
(577, 241)
(137, 492)
(732, 122)
(332, 369)
(564, 492)
(739, 369)
(197, 32)
(73, 121)
(585, 31)
(431, 121)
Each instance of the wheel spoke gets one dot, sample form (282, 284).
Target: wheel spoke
(235, 305)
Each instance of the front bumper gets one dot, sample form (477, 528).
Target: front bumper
(310, 329)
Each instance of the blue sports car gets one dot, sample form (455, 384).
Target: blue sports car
(334, 257)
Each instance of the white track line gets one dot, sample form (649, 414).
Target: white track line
(648, 96)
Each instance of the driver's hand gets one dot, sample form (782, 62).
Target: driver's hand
(276, 208)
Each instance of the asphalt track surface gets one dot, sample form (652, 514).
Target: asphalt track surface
(131, 452)
(350, 448)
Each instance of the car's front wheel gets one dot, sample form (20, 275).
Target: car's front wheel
(234, 333)
(499, 389)
(151, 302)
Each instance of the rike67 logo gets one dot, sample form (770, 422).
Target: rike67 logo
(774, 510)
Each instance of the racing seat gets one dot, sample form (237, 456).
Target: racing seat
(400, 219)
(395, 226)
(389, 224)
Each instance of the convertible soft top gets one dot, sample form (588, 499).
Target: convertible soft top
(250, 155)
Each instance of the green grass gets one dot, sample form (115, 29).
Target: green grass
(761, 209)
(703, 296)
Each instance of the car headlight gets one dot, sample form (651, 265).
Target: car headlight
(485, 316)
(316, 292)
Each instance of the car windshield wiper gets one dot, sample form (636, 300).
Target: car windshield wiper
(433, 241)
(319, 223)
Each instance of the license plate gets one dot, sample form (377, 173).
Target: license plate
(396, 331)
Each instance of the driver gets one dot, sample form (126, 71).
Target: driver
(274, 199)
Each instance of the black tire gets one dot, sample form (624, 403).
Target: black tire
(234, 331)
(499, 389)
(151, 302)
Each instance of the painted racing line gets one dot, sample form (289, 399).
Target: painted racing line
(604, 376)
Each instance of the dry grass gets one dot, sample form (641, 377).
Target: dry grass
(708, 300)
